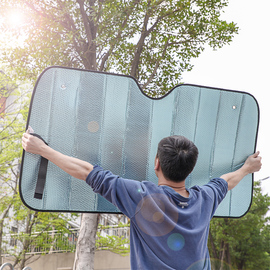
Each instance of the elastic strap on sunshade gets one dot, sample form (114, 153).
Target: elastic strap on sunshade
(41, 173)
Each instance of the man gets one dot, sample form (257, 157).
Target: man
(169, 223)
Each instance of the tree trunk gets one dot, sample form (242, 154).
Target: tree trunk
(2, 217)
(85, 250)
(222, 257)
(228, 255)
(26, 241)
(86, 244)
(214, 251)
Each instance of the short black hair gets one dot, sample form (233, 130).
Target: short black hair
(177, 156)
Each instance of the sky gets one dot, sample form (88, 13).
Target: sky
(243, 65)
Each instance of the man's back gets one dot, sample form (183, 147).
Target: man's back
(168, 231)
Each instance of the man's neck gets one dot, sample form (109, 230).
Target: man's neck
(178, 187)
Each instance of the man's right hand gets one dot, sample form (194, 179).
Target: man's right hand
(32, 144)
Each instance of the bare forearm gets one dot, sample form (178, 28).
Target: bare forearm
(234, 178)
(251, 165)
(73, 166)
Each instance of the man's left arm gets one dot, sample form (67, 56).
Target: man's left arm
(252, 164)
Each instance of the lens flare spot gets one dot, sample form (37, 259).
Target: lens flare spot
(93, 126)
(158, 212)
(158, 217)
(176, 241)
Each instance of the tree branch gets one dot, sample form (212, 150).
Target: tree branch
(156, 65)
(89, 47)
(144, 33)
(128, 12)
(5, 212)
(85, 22)
(39, 12)
(139, 47)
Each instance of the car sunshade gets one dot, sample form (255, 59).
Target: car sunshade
(106, 119)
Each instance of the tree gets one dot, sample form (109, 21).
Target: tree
(152, 40)
(31, 225)
(12, 124)
(243, 243)
(116, 243)
(36, 233)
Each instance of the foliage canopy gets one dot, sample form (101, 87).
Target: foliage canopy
(152, 41)
(243, 243)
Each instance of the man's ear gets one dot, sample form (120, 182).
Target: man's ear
(157, 164)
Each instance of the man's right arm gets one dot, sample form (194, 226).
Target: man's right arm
(251, 165)
(73, 166)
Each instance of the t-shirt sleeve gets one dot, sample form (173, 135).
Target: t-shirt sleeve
(217, 189)
(123, 193)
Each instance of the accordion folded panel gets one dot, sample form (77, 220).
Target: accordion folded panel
(106, 119)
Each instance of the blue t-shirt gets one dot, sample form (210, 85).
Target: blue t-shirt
(167, 230)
